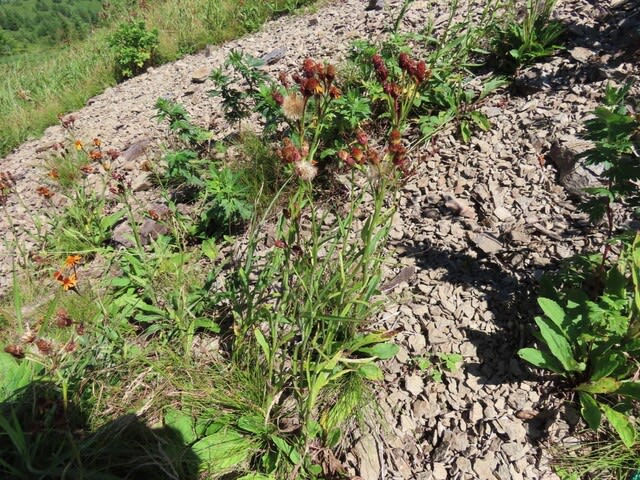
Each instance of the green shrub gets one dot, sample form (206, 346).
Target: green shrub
(134, 48)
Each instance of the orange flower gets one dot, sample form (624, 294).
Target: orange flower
(78, 145)
(97, 142)
(72, 261)
(70, 282)
(53, 173)
(95, 154)
(44, 191)
(58, 276)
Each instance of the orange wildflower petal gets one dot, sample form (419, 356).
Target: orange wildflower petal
(78, 145)
(72, 260)
(69, 282)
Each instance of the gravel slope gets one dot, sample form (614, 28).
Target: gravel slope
(478, 224)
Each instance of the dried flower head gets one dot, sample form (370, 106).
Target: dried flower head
(311, 86)
(29, 335)
(95, 154)
(306, 170)
(362, 137)
(63, 319)
(45, 346)
(293, 106)
(80, 328)
(277, 97)
(15, 350)
(87, 169)
(289, 153)
(70, 346)
(282, 78)
(330, 72)
(113, 153)
(357, 155)
(308, 68)
(334, 92)
(97, 142)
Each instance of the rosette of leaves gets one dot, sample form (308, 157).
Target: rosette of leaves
(592, 343)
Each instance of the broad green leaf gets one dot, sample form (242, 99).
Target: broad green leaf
(554, 311)
(481, 120)
(110, 220)
(207, 324)
(371, 371)
(287, 449)
(210, 249)
(630, 389)
(256, 476)
(622, 425)
(604, 364)
(223, 449)
(383, 351)
(541, 359)
(182, 422)
(589, 410)
(558, 344)
(252, 424)
(603, 385)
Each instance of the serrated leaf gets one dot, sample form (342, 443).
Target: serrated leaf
(541, 359)
(603, 385)
(590, 410)
(621, 424)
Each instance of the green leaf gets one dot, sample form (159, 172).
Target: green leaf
(630, 389)
(223, 449)
(256, 476)
(481, 120)
(182, 422)
(252, 424)
(541, 359)
(263, 344)
(589, 410)
(558, 345)
(383, 351)
(287, 449)
(106, 223)
(371, 371)
(605, 363)
(554, 311)
(465, 131)
(622, 425)
(603, 385)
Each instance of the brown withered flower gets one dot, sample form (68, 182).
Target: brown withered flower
(357, 155)
(289, 153)
(421, 72)
(277, 97)
(362, 137)
(16, 350)
(308, 68)
(330, 72)
(80, 328)
(70, 346)
(29, 335)
(44, 346)
(63, 320)
(306, 170)
(95, 154)
(113, 153)
(311, 86)
(334, 92)
(282, 78)
(346, 158)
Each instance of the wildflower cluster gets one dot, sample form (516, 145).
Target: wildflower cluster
(362, 153)
(69, 282)
(44, 346)
(401, 91)
(96, 154)
(305, 109)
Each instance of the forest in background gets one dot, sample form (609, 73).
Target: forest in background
(29, 25)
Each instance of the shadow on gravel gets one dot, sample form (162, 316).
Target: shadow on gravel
(39, 439)
(502, 329)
